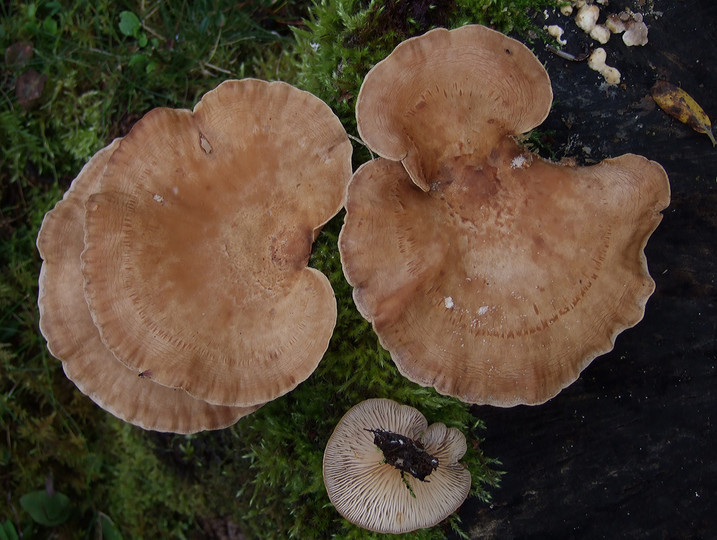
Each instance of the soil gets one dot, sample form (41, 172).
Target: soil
(628, 450)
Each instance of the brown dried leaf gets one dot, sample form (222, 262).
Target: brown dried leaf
(18, 54)
(680, 105)
(29, 87)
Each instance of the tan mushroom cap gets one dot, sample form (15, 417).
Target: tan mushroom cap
(510, 274)
(371, 493)
(72, 337)
(447, 93)
(197, 244)
(502, 284)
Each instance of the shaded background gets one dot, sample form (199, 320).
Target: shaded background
(628, 450)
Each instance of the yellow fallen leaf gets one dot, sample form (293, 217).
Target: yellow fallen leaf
(679, 104)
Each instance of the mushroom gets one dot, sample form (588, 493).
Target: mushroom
(615, 24)
(72, 337)
(198, 239)
(587, 17)
(636, 31)
(368, 462)
(557, 32)
(427, 84)
(505, 275)
(596, 62)
(600, 33)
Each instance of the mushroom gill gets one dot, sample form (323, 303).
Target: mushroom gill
(375, 495)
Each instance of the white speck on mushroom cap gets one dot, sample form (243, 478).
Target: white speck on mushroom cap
(448, 302)
(519, 162)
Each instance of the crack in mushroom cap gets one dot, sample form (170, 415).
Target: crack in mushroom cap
(72, 337)
(511, 274)
(371, 493)
(197, 244)
(450, 92)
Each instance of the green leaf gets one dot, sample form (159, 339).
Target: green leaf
(109, 529)
(45, 509)
(129, 24)
(49, 25)
(7, 531)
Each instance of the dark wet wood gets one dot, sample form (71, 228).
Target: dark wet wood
(629, 450)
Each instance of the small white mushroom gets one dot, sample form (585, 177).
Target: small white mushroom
(600, 33)
(615, 24)
(597, 63)
(557, 32)
(587, 17)
(636, 33)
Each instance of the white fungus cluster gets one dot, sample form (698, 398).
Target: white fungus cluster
(586, 16)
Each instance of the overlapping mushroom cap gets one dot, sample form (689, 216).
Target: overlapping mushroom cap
(72, 337)
(196, 243)
(196, 246)
(372, 493)
(504, 275)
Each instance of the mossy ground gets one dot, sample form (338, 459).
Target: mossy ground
(78, 74)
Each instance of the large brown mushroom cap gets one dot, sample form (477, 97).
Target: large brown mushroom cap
(504, 280)
(448, 93)
(72, 337)
(198, 241)
(370, 493)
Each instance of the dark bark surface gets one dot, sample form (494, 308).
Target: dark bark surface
(628, 450)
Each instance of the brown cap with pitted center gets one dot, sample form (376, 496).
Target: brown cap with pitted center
(505, 275)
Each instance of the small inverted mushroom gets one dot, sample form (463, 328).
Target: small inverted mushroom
(197, 243)
(72, 337)
(386, 470)
(505, 275)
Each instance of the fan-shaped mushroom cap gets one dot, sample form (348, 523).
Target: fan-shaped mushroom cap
(370, 493)
(504, 280)
(198, 242)
(72, 337)
(448, 93)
